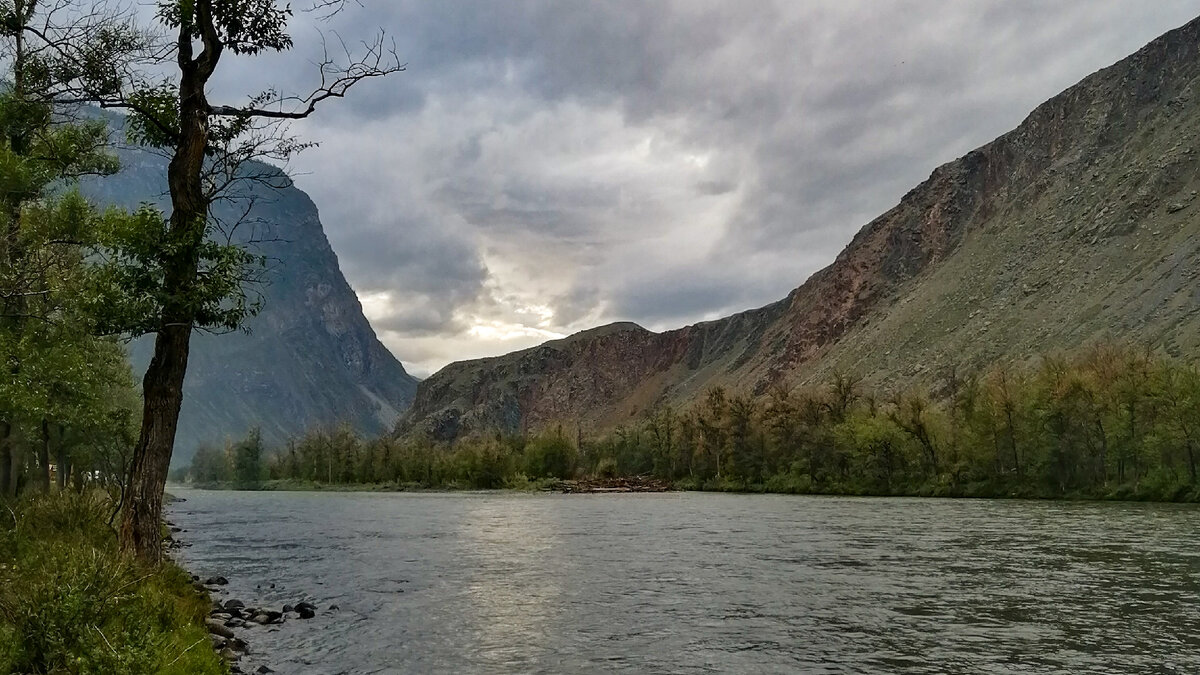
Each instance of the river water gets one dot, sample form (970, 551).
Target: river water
(700, 583)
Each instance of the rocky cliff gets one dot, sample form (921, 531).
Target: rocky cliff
(1081, 224)
(309, 358)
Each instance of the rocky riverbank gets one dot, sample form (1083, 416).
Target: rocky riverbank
(231, 620)
(231, 616)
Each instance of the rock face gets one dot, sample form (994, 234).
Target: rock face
(1082, 224)
(310, 357)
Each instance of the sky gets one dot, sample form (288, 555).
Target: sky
(543, 167)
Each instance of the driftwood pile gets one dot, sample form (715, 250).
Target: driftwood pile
(602, 485)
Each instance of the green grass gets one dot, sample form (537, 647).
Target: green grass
(70, 602)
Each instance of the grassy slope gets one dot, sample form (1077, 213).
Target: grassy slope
(71, 603)
(1109, 256)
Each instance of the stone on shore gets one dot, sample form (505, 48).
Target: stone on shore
(218, 628)
(238, 645)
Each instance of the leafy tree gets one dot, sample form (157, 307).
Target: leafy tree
(186, 280)
(57, 370)
(550, 457)
(1179, 393)
(248, 461)
(911, 413)
(210, 465)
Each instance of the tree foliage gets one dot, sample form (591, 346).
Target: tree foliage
(1109, 422)
(65, 403)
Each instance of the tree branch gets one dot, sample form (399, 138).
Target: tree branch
(379, 60)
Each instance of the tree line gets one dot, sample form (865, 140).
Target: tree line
(1109, 422)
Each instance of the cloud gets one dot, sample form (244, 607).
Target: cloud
(544, 167)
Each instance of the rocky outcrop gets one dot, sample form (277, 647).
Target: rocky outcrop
(1078, 225)
(309, 358)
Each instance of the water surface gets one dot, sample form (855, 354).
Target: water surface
(700, 583)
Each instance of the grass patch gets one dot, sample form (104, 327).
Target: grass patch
(70, 602)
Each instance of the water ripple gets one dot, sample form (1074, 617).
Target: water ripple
(694, 583)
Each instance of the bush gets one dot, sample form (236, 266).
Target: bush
(789, 483)
(550, 457)
(606, 468)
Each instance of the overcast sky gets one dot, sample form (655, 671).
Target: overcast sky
(546, 167)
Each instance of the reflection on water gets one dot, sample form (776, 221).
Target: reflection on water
(510, 600)
(688, 583)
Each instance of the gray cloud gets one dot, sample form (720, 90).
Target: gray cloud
(546, 166)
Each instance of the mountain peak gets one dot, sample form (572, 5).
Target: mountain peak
(309, 358)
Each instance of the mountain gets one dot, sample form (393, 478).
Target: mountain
(309, 358)
(1081, 224)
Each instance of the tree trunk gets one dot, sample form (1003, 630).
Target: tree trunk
(163, 395)
(162, 386)
(79, 478)
(6, 459)
(1012, 439)
(44, 458)
(16, 467)
(1189, 445)
(11, 255)
(63, 459)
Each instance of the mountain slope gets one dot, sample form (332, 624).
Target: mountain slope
(1080, 224)
(310, 357)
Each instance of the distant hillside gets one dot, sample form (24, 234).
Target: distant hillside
(310, 357)
(1081, 224)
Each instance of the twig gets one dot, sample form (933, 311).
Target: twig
(185, 652)
(102, 636)
(131, 583)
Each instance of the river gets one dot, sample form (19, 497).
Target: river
(700, 583)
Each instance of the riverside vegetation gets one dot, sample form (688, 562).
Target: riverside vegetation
(71, 602)
(1108, 423)
(84, 587)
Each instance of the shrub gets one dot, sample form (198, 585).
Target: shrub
(550, 457)
(606, 468)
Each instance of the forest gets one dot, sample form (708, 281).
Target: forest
(1110, 422)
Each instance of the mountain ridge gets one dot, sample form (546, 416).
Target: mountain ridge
(1118, 131)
